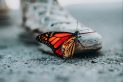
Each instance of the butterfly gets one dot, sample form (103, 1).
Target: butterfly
(62, 43)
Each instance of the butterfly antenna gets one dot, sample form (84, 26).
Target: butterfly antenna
(77, 30)
(77, 26)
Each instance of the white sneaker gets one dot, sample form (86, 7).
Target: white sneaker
(50, 16)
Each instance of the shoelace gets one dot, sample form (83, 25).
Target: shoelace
(52, 15)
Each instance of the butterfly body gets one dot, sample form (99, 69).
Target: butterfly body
(62, 43)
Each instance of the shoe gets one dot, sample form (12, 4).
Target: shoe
(4, 10)
(50, 16)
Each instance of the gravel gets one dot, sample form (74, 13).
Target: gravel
(22, 61)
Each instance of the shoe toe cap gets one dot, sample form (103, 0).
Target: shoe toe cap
(90, 41)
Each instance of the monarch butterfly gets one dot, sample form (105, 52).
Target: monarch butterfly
(62, 43)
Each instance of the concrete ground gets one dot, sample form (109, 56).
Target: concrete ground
(21, 61)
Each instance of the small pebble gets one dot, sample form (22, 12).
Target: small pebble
(111, 70)
(93, 62)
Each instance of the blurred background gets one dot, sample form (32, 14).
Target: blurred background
(104, 16)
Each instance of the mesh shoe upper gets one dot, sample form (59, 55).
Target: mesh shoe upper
(41, 18)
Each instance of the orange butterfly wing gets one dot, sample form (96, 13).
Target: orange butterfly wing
(55, 40)
(68, 47)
